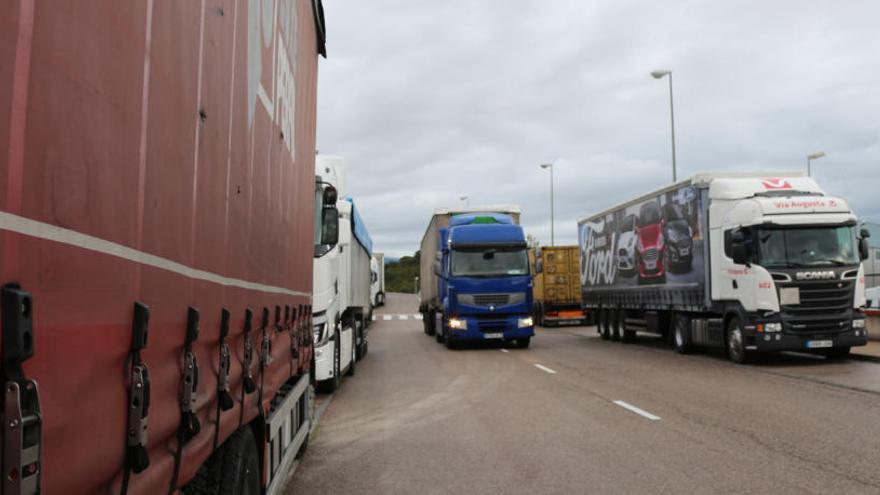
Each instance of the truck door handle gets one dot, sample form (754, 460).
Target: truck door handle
(735, 285)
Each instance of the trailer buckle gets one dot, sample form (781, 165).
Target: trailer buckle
(22, 418)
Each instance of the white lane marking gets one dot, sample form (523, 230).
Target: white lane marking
(386, 317)
(49, 232)
(640, 412)
(402, 317)
(504, 350)
(417, 316)
(374, 317)
(544, 368)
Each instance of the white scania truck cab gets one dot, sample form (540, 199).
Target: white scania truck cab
(341, 293)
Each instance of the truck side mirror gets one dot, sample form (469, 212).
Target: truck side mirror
(864, 233)
(329, 196)
(864, 249)
(539, 266)
(329, 226)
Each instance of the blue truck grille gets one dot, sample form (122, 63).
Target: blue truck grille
(487, 300)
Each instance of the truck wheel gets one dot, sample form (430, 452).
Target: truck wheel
(354, 348)
(681, 335)
(450, 343)
(233, 469)
(523, 343)
(604, 328)
(626, 336)
(736, 349)
(438, 335)
(331, 385)
(614, 324)
(430, 323)
(836, 353)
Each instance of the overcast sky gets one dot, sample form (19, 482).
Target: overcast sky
(429, 101)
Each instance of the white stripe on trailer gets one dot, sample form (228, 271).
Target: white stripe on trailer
(640, 412)
(402, 317)
(49, 232)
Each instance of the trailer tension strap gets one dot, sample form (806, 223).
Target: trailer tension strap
(248, 385)
(137, 458)
(189, 383)
(265, 358)
(22, 419)
(224, 398)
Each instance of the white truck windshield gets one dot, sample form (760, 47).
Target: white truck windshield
(800, 247)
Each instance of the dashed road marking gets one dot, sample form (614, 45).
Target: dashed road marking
(504, 350)
(417, 316)
(402, 317)
(386, 317)
(374, 317)
(640, 412)
(544, 368)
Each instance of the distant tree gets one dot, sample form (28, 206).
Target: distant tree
(400, 276)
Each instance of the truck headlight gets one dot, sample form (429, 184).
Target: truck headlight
(773, 327)
(525, 322)
(457, 324)
(859, 323)
(319, 333)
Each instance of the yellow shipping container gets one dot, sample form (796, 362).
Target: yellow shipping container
(556, 292)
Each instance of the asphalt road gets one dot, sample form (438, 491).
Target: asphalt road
(420, 419)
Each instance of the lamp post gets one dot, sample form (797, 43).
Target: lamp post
(660, 74)
(552, 220)
(416, 285)
(465, 199)
(810, 158)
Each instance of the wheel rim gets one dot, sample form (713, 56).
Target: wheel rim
(679, 338)
(734, 342)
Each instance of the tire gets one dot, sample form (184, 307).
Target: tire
(604, 327)
(734, 344)
(680, 334)
(331, 385)
(523, 343)
(430, 323)
(233, 469)
(614, 324)
(836, 353)
(626, 336)
(450, 343)
(380, 299)
(352, 366)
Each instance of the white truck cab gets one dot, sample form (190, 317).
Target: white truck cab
(341, 293)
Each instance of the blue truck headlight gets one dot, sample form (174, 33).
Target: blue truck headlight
(525, 322)
(859, 323)
(457, 324)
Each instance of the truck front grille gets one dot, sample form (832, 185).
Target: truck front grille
(487, 300)
(825, 306)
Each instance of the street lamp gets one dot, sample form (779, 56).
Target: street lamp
(416, 285)
(465, 199)
(660, 74)
(552, 220)
(811, 157)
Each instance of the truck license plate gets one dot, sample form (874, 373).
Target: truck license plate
(493, 335)
(819, 344)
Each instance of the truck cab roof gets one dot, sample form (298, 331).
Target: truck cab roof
(486, 234)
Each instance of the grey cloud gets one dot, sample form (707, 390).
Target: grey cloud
(429, 101)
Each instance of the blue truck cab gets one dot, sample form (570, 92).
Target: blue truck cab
(483, 278)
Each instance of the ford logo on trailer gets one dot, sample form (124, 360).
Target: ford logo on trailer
(824, 275)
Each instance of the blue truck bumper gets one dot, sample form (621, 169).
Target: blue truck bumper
(506, 328)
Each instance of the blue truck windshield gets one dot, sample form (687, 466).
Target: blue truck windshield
(488, 262)
(799, 247)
